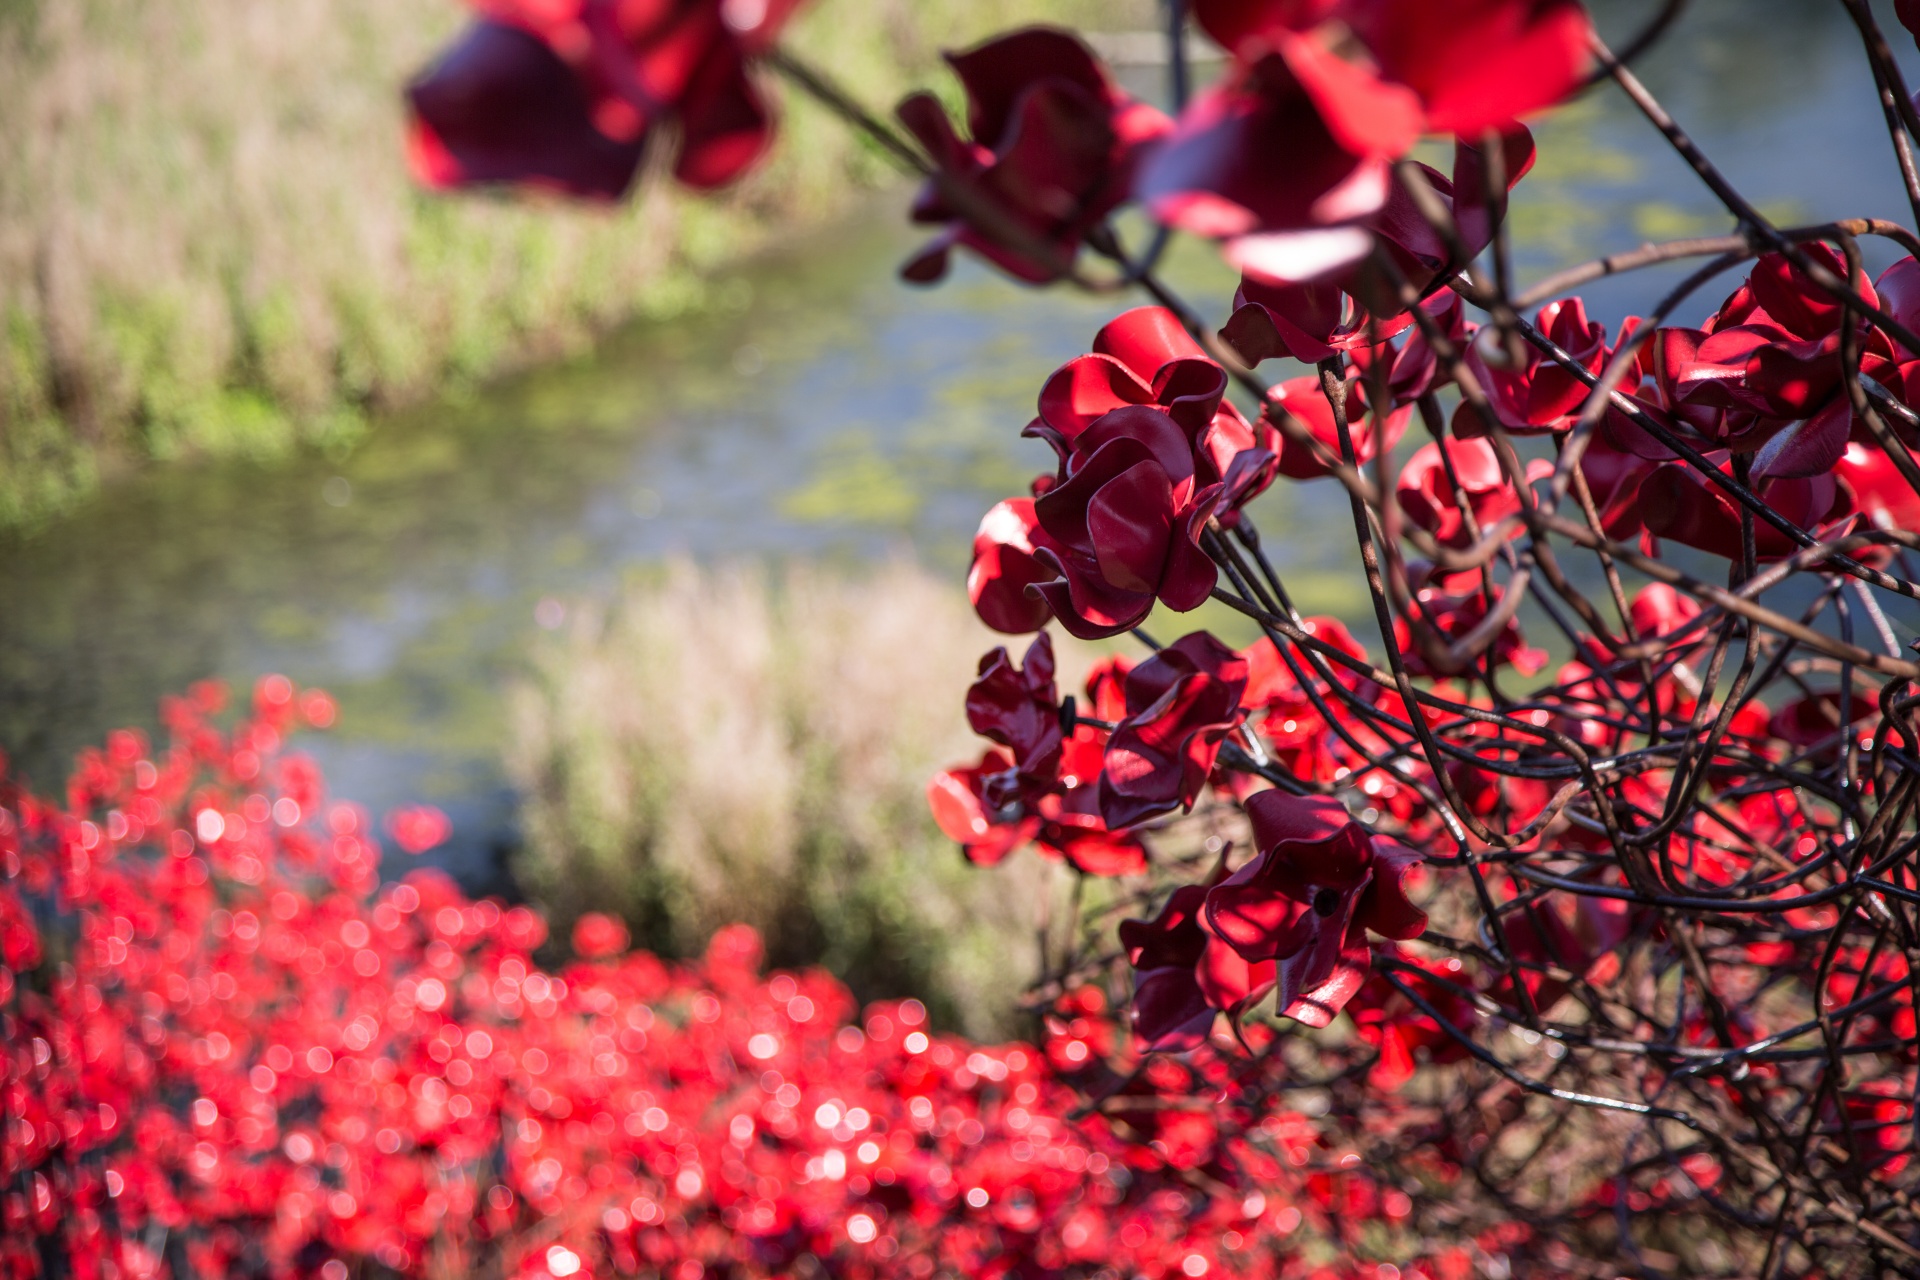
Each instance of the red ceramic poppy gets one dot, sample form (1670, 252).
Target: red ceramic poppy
(567, 95)
(1427, 495)
(1126, 526)
(1306, 400)
(1145, 357)
(597, 936)
(1538, 394)
(1181, 703)
(1053, 148)
(1019, 708)
(1678, 502)
(985, 833)
(1458, 66)
(1184, 977)
(1004, 566)
(1319, 883)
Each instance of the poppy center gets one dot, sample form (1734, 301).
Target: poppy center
(1326, 902)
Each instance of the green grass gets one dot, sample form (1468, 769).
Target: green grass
(209, 245)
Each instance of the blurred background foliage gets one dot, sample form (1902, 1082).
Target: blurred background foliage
(209, 244)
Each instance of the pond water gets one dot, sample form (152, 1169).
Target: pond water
(819, 408)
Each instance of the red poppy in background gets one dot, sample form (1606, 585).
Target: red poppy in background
(1773, 348)
(1181, 703)
(1405, 1035)
(1659, 610)
(1445, 66)
(1428, 497)
(1454, 616)
(1106, 688)
(1071, 824)
(418, 828)
(1053, 148)
(1304, 398)
(1343, 90)
(566, 94)
(597, 936)
(1216, 175)
(1320, 882)
(1876, 487)
(1537, 395)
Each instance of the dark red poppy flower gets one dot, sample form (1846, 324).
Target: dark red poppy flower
(1297, 734)
(1309, 321)
(1677, 502)
(566, 95)
(1614, 477)
(985, 834)
(1538, 394)
(1306, 400)
(1812, 724)
(1183, 976)
(1063, 823)
(1318, 884)
(1466, 65)
(1475, 202)
(1659, 610)
(597, 936)
(1125, 525)
(1287, 305)
(1214, 174)
(1145, 357)
(1019, 708)
(1004, 567)
(1428, 497)
(1412, 368)
(1343, 89)
(1181, 703)
(1054, 146)
(1577, 934)
(1770, 357)
(1884, 360)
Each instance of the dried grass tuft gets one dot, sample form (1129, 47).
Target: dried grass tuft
(742, 744)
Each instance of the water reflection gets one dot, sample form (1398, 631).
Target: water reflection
(816, 409)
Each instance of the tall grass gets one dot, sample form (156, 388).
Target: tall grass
(735, 744)
(208, 244)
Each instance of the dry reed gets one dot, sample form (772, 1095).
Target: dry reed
(733, 744)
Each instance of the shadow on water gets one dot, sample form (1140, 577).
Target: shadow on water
(817, 408)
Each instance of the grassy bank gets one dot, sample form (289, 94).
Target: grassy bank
(209, 246)
(737, 745)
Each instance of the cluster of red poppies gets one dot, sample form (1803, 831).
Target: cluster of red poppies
(229, 1050)
(1673, 881)
(1338, 777)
